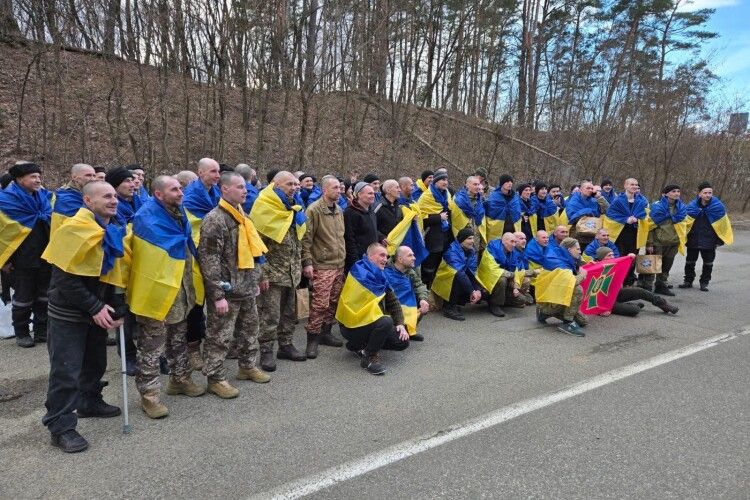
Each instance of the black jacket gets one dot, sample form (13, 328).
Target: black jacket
(29, 252)
(360, 231)
(77, 298)
(388, 215)
(702, 235)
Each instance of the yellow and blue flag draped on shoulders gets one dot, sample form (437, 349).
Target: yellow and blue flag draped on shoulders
(433, 201)
(19, 213)
(619, 211)
(454, 260)
(407, 233)
(546, 211)
(419, 190)
(401, 286)
(198, 201)
(126, 210)
(577, 206)
(84, 246)
(661, 211)
(160, 248)
(250, 248)
(67, 203)
(464, 212)
(364, 288)
(273, 214)
(495, 261)
(556, 282)
(535, 253)
(499, 208)
(717, 217)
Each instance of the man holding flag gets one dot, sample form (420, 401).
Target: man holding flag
(667, 235)
(25, 213)
(503, 209)
(423, 183)
(87, 257)
(69, 198)
(412, 294)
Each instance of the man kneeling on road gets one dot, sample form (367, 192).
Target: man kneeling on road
(411, 292)
(360, 311)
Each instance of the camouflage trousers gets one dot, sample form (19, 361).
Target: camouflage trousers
(326, 288)
(152, 339)
(502, 294)
(240, 325)
(277, 308)
(562, 312)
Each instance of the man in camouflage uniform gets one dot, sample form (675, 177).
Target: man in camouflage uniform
(281, 274)
(156, 335)
(230, 308)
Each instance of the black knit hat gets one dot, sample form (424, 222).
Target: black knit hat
(523, 186)
(371, 178)
(463, 234)
(439, 177)
(703, 185)
(539, 185)
(504, 178)
(117, 175)
(302, 177)
(606, 182)
(669, 187)
(21, 169)
(426, 174)
(99, 169)
(5, 180)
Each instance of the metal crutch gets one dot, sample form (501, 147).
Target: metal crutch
(126, 418)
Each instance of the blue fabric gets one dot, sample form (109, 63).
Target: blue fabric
(499, 207)
(609, 196)
(413, 239)
(620, 209)
(252, 195)
(67, 202)
(369, 276)
(475, 210)
(309, 196)
(199, 201)
(143, 194)
(508, 262)
(558, 257)
(416, 193)
(401, 285)
(715, 209)
(343, 202)
(299, 216)
(592, 247)
(578, 206)
(660, 211)
(543, 208)
(24, 208)
(154, 224)
(527, 206)
(112, 244)
(406, 202)
(535, 252)
(456, 257)
(442, 198)
(126, 211)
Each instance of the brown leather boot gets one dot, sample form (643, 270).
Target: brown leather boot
(255, 374)
(223, 389)
(152, 407)
(312, 345)
(184, 386)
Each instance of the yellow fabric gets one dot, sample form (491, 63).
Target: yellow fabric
(411, 315)
(459, 220)
(271, 218)
(681, 228)
(249, 244)
(428, 205)
(155, 279)
(56, 221)
(12, 235)
(723, 230)
(443, 282)
(195, 226)
(562, 220)
(357, 306)
(615, 228)
(495, 228)
(534, 266)
(550, 223)
(555, 287)
(396, 236)
(518, 276)
(488, 272)
(421, 185)
(586, 258)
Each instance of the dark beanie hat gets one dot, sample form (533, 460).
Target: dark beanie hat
(539, 185)
(21, 169)
(669, 187)
(703, 185)
(602, 252)
(480, 172)
(439, 177)
(426, 174)
(302, 177)
(521, 187)
(505, 178)
(463, 234)
(223, 167)
(271, 174)
(99, 169)
(606, 182)
(117, 175)
(371, 178)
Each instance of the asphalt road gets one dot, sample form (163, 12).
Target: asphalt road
(679, 429)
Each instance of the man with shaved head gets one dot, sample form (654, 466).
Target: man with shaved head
(502, 285)
(185, 177)
(251, 178)
(408, 287)
(626, 219)
(467, 211)
(69, 198)
(406, 184)
(282, 225)
(587, 202)
(387, 210)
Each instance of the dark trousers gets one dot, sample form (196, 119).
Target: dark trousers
(708, 256)
(668, 253)
(78, 359)
(623, 308)
(196, 324)
(374, 337)
(130, 329)
(430, 266)
(461, 289)
(627, 243)
(30, 296)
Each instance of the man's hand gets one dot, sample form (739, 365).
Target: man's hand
(403, 335)
(307, 272)
(444, 215)
(264, 286)
(222, 307)
(516, 292)
(583, 272)
(424, 306)
(475, 296)
(649, 250)
(8, 267)
(632, 220)
(631, 255)
(103, 319)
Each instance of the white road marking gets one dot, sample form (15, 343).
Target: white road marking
(313, 483)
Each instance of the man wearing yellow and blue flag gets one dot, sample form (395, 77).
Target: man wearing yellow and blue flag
(586, 202)
(412, 294)
(280, 219)
(627, 222)
(407, 191)
(455, 281)
(600, 240)
(501, 272)
(24, 233)
(69, 198)
(434, 208)
(422, 184)
(139, 181)
(360, 312)
(161, 293)
(667, 235)
(544, 210)
(89, 263)
(503, 209)
(309, 191)
(709, 227)
(467, 211)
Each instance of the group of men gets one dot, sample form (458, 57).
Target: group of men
(208, 265)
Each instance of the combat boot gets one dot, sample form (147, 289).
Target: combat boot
(312, 346)
(151, 405)
(665, 306)
(195, 360)
(184, 386)
(290, 352)
(255, 374)
(267, 361)
(23, 338)
(662, 289)
(328, 338)
(223, 389)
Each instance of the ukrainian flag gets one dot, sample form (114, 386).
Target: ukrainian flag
(19, 213)
(618, 213)
(494, 262)
(364, 288)
(548, 212)
(273, 215)
(555, 287)
(463, 213)
(67, 203)
(430, 204)
(717, 217)
(407, 233)
(84, 247)
(401, 285)
(454, 260)
(198, 201)
(498, 207)
(160, 249)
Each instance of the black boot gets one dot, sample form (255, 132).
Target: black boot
(312, 345)
(453, 312)
(704, 287)
(686, 284)
(665, 306)
(96, 407)
(290, 352)
(328, 338)
(662, 289)
(23, 339)
(70, 441)
(267, 361)
(496, 310)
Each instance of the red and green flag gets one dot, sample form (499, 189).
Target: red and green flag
(602, 284)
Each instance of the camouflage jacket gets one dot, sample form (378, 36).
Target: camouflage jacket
(283, 265)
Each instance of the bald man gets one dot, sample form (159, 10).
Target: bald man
(69, 198)
(387, 210)
(407, 285)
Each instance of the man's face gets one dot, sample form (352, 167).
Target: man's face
(99, 176)
(473, 186)
(209, 174)
(407, 258)
(442, 184)
(30, 182)
(526, 193)
(509, 243)
(674, 194)
(342, 188)
(366, 196)
(507, 187)
(542, 238)
(542, 193)
(575, 251)
(307, 183)
(375, 185)
(602, 237)
(288, 185)
(235, 192)
(394, 191)
(561, 233)
(379, 257)
(520, 241)
(468, 243)
(332, 190)
(587, 189)
(102, 201)
(554, 192)
(171, 196)
(137, 178)
(407, 188)
(428, 180)
(706, 194)
(607, 188)
(83, 176)
(126, 188)
(631, 186)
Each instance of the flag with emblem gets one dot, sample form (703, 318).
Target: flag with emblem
(602, 284)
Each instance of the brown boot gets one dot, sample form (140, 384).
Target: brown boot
(312, 346)
(255, 374)
(184, 386)
(151, 405)
(223, 389)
